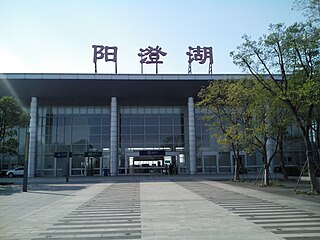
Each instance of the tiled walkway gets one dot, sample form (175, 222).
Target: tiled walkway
(153, 208)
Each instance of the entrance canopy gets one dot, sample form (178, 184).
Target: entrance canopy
(97, 89)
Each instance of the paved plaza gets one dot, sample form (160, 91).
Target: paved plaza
(155, 207)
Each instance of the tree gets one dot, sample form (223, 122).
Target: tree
(310, 8)
(294, 53)
(224, 115)
(12, 116)
(244, 117)
(265, 122)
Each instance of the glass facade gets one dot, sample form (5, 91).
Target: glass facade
(151, 128)
(74, 129)
(86, 130)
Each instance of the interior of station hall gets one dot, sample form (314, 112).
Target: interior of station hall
(122, 124)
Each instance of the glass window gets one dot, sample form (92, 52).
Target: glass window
(125, 119)
(151, 120)
(79, 148)
(79, 121)
(79, 134)
(152, 139)
(166, 139)
(94, 120)
(125, 138)
(105, 120)
(95, 130)
(137, 138)
(178, 130)
(152, 129)
(50, 148)
(60, 135)
(68, 121)
(137, 130)
(137, 120)
(95, 139)
(224, 159)
(166, 130)
(125, 130)
(67, 131)
(164, 120)
(105, 129)
(105, 141)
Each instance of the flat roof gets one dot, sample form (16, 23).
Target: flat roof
(78, 89)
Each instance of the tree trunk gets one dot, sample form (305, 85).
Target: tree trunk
(282, 163)
(236, 177)
(266, 170)
(266, 174)
(318, 141)
(311, 169)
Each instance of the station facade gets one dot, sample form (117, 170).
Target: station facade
(120, 124)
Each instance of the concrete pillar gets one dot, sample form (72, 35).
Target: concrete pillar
(114, 137)
(33, 137)
(192, 136)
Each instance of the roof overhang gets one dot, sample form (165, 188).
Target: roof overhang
(97, 89)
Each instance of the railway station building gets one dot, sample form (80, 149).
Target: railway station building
(120, 124)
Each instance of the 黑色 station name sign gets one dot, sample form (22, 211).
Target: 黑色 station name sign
(152, 55)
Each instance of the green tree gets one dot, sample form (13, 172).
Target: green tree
(224, 114)
(294, 53)
(245, 117)
(12, 116)
(266, 120)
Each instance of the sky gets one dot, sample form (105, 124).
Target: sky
(56, 36)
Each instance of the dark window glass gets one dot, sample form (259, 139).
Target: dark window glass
(137, 138)
(164, 120)
(125, 130)
(95, 130)
(137, 120)
(105, 141)
(152, 139)
(152, 129)
(166, 139)
(125, 138)
(105, 120)
(95, 139)
(67, 135)
(79, 121)
(79, 134)
(68, 121)
(106, 130)
(137, 130)
(125, 119)
(166, 130)
(151, 120)
(94, 121)
(178, 130)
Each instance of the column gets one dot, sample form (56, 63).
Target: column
(114, 138)
(33, 137)
(192, 136)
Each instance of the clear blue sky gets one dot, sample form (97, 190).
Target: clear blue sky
(44, 36)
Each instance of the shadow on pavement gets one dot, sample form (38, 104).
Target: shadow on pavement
(52, 189)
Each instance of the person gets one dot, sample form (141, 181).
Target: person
(170, 169)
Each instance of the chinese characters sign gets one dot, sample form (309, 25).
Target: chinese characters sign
(152, 55)
(104, 52)
(201, 55)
